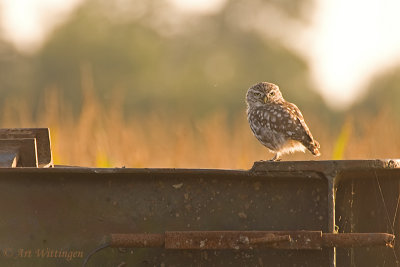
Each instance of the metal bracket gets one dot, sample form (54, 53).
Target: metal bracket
(25, 147)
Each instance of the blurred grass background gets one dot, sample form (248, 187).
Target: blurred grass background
(140, 85)
(103, 137)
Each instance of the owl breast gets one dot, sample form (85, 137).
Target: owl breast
(274, 127)
(264, 127)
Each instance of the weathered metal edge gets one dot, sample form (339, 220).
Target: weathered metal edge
(263, 168)
(326, 165)
(258, 166)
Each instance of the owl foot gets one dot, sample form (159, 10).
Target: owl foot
(274, 160)
(276, 157)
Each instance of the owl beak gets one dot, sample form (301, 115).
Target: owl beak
(265, 99)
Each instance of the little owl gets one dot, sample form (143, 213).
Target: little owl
(276, 123)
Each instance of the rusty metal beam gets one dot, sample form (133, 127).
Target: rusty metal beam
(243, 240)
(137, 240)
(271, 196)
(203, 240)
(344, 240)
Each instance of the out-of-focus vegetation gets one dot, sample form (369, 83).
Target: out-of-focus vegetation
(103, 136)
(164, 60)
(382, 93)
(137, 83)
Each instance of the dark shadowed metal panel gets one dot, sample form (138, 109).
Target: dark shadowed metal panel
(73, 208)
(369, 202)
(55, 217)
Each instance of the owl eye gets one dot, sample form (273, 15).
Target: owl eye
(257, 94)
(272, 93)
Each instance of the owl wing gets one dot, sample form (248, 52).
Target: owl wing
(296, 114)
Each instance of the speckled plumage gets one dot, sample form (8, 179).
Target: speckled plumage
(276, 123)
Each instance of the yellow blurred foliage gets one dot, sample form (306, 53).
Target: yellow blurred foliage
(101, 136)
(342, 140)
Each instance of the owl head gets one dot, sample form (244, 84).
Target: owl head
(263, 93)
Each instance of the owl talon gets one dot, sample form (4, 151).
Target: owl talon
(276, 158)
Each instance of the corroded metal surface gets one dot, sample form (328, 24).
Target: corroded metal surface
(341, 168)
(369, 204)
(243, 240)
(357, 240)
(137, 240)
(204, 240)
(71, 210)
(74, 208)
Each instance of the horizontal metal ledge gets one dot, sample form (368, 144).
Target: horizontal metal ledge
(314, 240)
(260, 168)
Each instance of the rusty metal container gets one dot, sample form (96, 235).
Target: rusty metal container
(304, 213)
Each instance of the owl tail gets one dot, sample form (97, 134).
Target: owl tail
(313, 147)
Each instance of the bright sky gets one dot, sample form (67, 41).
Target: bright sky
(26, 22)
(351, 41)
(348, 42)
